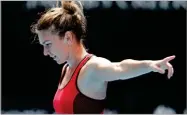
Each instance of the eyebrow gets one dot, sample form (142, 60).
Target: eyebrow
(45, 42)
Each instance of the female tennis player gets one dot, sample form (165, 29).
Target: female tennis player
(83, 82)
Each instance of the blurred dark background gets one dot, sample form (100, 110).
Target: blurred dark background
(29, 79)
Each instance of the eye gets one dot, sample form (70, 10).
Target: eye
(48, 45)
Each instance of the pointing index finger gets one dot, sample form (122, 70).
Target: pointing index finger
(167, 59)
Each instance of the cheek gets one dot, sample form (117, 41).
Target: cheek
(57, 50)
(61, 50)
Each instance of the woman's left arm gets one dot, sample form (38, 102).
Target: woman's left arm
(129, 68)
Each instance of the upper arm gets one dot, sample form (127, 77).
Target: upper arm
(106, 70)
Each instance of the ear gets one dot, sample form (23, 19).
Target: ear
(68, 37)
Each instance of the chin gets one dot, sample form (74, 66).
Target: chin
(60, 62)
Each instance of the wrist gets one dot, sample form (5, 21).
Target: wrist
(147, 64)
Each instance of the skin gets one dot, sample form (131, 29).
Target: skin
(97, 71)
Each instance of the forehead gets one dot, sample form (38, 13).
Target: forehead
(44, 36)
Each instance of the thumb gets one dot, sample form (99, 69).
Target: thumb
(158, 69)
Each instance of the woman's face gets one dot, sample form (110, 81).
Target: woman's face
(54, 46)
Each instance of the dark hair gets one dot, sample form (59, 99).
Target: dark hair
(68, 17)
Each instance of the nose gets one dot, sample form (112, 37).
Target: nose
(45, 52)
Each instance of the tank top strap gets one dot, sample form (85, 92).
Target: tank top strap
(80, 65)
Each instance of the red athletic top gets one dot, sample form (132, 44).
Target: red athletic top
(70, 100)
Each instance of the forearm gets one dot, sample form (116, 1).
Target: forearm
(133, 68)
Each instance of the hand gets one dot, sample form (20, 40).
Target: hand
(162, 65)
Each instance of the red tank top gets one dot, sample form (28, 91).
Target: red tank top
(70, 100)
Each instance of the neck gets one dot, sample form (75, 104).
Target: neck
(76, 55)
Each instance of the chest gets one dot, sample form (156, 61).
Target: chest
(85, 83)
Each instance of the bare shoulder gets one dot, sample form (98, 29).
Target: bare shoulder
(103, 69)
(94, 64)
(98, 61)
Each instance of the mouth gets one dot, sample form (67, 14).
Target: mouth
(54, 57)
